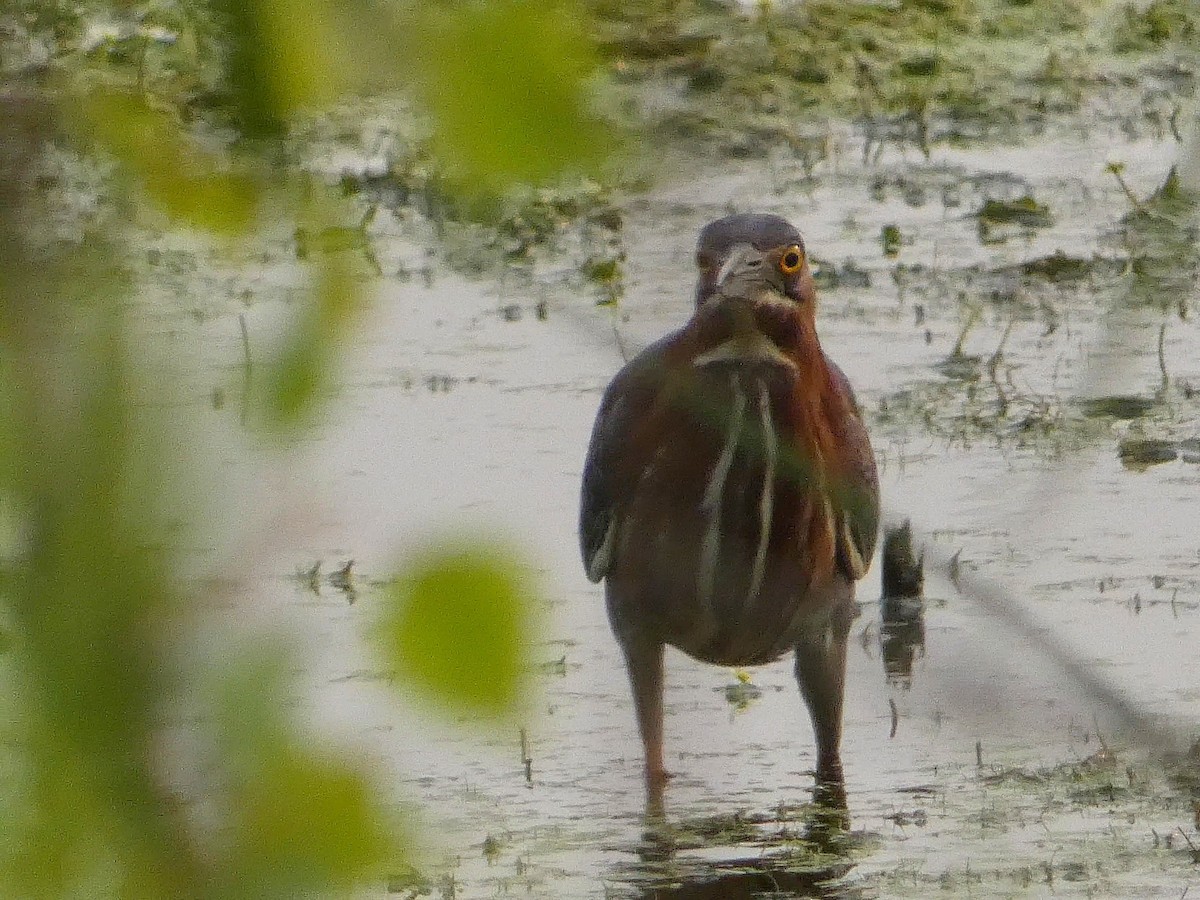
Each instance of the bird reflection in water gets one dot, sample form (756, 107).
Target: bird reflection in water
(902, 608)
(791, 852)
(751, 881)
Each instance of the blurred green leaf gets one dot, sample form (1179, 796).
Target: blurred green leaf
(302, 370)
(282, 56)
(303, 54)
(92, 596)
(87, 600)
(306, 823)
(302, 821)
(454, 625)
(188, 183)
(505, 81)
(8, 439)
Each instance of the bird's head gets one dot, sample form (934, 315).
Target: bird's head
(737, 252)
(755, 276)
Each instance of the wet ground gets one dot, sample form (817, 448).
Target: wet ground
(976, 764)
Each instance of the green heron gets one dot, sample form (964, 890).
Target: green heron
(730, 499)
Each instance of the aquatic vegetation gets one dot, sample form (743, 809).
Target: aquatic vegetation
(1150, 26)
(959, 68)
(1024, 211)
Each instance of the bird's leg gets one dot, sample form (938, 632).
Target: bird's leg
(821, 672)
(644, 659)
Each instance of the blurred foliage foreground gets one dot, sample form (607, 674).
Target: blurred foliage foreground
(97, 616)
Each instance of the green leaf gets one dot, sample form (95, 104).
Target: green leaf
(454, 627)
(307, 823)
(505, 81)
(304, 821)
(189, 184)
(302, 52)
(86, 600)
(8, 440)
(282, 56)
(302, 370)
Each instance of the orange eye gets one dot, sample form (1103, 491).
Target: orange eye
(791, 261)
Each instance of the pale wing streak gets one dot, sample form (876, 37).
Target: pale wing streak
(714, 491)
(830, 527)
(598, 567)
(766, 504)
(854, 560)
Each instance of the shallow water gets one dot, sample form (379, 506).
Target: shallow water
(969, 775)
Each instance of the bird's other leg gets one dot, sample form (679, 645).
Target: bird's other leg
(821, 672)
(644, 659)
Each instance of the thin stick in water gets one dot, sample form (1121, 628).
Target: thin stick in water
(247, 368)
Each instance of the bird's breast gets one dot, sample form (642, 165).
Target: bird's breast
(730, 521)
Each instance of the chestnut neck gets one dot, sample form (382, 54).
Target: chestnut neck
(818, 402)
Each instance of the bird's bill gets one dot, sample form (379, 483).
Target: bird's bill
(740, 257)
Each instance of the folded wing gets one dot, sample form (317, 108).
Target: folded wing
(613, 456)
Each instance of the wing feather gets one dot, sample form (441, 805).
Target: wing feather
(857, 494)
(610, 471)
